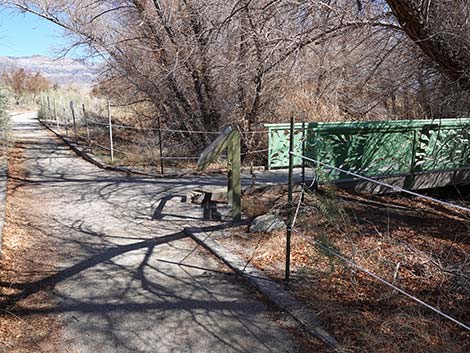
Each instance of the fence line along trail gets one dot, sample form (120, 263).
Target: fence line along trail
(295, 208)
(149, 146)
(388, 186)
(127, 279)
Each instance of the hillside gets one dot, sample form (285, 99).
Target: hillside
(61, 71)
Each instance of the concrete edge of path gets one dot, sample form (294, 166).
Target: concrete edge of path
(92, 159)
(268, 287)
(3, 195)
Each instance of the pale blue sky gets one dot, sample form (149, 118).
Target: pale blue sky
(25, 35)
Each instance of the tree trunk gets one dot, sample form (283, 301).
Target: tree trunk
(428, 24)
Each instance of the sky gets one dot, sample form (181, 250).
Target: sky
(26, 35)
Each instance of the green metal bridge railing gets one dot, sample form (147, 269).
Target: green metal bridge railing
(375, 148)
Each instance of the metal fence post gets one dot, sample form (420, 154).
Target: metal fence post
(290, 198)
(410, 180)
(111, 143)
(304, 136)
(230, 175)
(160, 143)
(56, 118)
(49, 106)
(269, 148)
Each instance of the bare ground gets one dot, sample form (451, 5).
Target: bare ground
(26, 258)
(419, 246)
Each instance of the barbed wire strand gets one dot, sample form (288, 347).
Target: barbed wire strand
(394, 188)
(136, 155)
(132, 154)
(383, 281)
(255, 152)
(150, 129)
(120, 126)
(294, 220)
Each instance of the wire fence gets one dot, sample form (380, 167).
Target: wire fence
(161, 148)
(394, 188)
(293, 228)
(149, 146)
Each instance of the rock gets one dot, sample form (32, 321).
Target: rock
(194, 196)
(266, 223)
(204, 195)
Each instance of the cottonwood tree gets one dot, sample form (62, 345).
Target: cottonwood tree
(17, 82)
(441, 29)
(201, 64)
(36, 84)
(21, 82)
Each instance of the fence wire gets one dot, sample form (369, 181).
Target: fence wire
(353, 264)
(145, 148)
(350, 262)
(392, 187)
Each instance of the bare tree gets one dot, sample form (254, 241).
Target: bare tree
(441, 29)
(17, 81)
(21, 82)
(37, 84)
(201, 64)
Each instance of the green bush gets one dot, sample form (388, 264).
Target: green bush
(3, 105)
(3, 117)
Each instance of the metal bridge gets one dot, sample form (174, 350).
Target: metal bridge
(413, 154)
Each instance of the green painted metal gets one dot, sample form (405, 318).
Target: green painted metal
(376, 148)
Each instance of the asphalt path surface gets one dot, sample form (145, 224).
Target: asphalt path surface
(128, 279)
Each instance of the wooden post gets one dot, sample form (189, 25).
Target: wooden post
(290, 198)
(56, 118)
(229, 140)
(66, 123)
(230, 175)
(235, 181)
(49, 106)
(160, 143)
(87, 128)
(111, 143)
(74, 121)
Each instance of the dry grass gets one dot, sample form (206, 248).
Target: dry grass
(25, 259)
(135, 137)
(137, 149)
(418, 246)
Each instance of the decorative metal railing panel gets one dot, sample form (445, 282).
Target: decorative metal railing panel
(373, 149)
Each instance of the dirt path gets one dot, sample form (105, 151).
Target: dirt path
(112, 270)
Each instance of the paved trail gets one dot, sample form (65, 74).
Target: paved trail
(129, 280)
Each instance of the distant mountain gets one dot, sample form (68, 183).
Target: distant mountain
(63, 71)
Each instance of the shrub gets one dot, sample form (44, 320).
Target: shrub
(3, 117)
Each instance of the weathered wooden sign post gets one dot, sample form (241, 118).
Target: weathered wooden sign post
(72, 109)
(228, 139)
